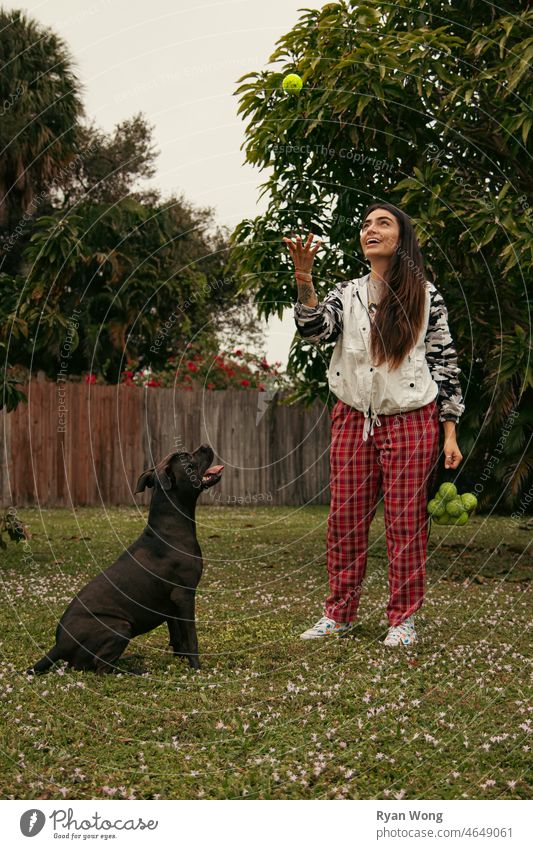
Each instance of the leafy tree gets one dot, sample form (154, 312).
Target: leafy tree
(426, 104)
(91, 261)
(112, 285)
(109, 169)
(40, 112)
(109, 166)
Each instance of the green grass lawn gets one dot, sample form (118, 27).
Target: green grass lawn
(270, 716)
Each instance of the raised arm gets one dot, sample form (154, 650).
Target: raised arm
(316, 322)
(322, 323)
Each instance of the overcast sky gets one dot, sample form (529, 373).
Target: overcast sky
(177, 61)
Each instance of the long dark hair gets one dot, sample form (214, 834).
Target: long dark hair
(399, 316)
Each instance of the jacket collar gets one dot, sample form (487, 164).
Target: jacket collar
(360, 291)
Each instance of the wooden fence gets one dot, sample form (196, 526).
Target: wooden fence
(81, 444)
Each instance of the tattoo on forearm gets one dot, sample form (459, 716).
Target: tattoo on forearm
(307, 294)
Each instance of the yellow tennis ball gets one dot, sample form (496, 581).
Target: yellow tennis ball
(469, 501)
(462, 519)
(436, 508)
(454, 507)
(292, 84)
(447, 491)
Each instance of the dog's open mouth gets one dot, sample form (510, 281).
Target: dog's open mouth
(211, 476)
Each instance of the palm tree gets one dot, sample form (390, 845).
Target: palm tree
(40, 110)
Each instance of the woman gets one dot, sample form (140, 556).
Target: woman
(394, 371)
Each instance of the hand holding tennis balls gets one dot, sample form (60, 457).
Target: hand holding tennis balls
(292, 84)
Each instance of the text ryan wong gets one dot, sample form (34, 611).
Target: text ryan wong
(383, 816)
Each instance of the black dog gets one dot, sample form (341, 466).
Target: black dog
(153, 581)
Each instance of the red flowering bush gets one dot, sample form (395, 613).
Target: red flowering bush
(199, 369)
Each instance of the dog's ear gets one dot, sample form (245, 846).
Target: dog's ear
(146, 479)
(164, 475)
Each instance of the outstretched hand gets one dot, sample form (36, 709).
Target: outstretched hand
(303, 255)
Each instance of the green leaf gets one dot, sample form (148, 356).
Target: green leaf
(362, 103)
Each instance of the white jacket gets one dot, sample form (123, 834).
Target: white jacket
(375, 389)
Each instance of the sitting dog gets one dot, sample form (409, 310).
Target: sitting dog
(153, 581)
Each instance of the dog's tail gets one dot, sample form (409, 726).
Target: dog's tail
(44, 664)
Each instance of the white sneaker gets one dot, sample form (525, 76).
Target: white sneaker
(403, 634)
(325, 627)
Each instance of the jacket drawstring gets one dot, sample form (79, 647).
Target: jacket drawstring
(368, 428)
(371, 419)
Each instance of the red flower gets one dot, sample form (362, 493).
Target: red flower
(238, 353)
(129, 374)
(191, 366)
(90, 378)
(230, 372)
(245, 383)
(210, 385)
(264, 364)
(153, 383)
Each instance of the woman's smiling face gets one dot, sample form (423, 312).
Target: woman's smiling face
(380, 234)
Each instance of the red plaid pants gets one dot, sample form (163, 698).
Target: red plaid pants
(401, 454)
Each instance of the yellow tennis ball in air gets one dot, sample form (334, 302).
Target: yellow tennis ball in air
(292, 84)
